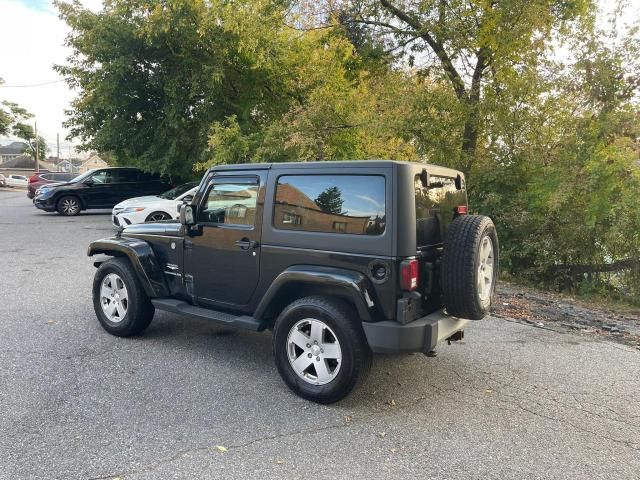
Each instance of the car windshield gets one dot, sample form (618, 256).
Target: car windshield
(179, 190)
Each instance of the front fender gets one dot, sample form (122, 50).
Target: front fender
(347, 284)
(142, 258)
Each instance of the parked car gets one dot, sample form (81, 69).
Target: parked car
(41, 178)
(17, 181)
(100, 188)
(3, 180)
(154, 207)
(338, 259)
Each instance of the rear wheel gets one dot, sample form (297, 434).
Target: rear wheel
(69, 205)
(120, 302)
(320, 349)
(470, 266)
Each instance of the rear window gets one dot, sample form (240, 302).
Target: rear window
(347, 204)
(435, 206)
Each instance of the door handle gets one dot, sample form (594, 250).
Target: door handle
(246, 244)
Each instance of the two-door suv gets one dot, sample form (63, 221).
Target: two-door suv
(338, 259)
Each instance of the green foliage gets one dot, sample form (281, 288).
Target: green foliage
(12, 122)
(550, 149)
(330, 201)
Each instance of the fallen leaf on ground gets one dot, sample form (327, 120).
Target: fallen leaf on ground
(348, 419)
(50, 322)
(391, 403)
(382, 434)
(279, 461)
(488, 391)
(221, 448)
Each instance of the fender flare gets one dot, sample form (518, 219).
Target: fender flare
(142, 258)
(347, 284)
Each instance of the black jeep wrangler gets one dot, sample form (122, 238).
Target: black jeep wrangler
(339, 259)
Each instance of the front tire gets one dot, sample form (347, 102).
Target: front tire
(121, 304)
(158, 217)
(69, 206)
(320, 349)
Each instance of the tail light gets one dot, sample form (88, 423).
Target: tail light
(33, 178)
(409, 274)
(461, 210)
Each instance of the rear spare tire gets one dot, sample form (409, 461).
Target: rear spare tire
(470, 266)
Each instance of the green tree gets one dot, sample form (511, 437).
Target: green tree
(154, 75)
(474, 46)
(330, 201)
(13, 122)
(27, 133)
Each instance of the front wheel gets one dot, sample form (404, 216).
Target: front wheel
(69, 206)
(320, 349)
(120, 302)
(158, 217)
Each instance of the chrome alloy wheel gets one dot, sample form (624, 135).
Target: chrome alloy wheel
(70, 206)
(158, 216)
(485, 269)
(114, 298)
(314, 351)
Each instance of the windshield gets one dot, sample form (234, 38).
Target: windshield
(179, 190)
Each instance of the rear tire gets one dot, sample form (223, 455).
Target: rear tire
(69, 206)
(323, 337)
(121, 304)
(470, 265)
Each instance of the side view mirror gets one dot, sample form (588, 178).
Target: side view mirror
(88, 182)
(185, 201)
(186, 215)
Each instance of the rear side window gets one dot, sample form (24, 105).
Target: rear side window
(124, 176)
(147, 177)
(435, 206)
(348, 204)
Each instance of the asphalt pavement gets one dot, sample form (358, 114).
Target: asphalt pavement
(191, 400)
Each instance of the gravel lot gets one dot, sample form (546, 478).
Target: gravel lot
(512, 401)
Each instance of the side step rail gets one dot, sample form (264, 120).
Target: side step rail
(178, 306)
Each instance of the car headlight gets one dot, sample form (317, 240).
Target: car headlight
(133, 209)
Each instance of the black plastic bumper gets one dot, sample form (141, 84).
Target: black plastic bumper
(421, 335)
(46, 205)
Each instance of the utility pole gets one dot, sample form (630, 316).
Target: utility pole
(35, 127)
(58, 146)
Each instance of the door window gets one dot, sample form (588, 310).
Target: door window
(230, 203)
(103, 176)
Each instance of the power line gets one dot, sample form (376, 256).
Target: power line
(32, 84)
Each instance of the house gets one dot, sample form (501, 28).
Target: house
(94, 161)
(70, 165)
(11, 151)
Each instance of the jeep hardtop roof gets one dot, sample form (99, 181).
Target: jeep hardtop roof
(337, 164)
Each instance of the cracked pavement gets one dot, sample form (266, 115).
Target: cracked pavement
(512, 401)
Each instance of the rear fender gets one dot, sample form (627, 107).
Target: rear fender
(350, 285)
(142, 258)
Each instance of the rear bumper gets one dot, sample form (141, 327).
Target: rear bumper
(421, 335)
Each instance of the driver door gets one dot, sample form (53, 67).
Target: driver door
(225, 258)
